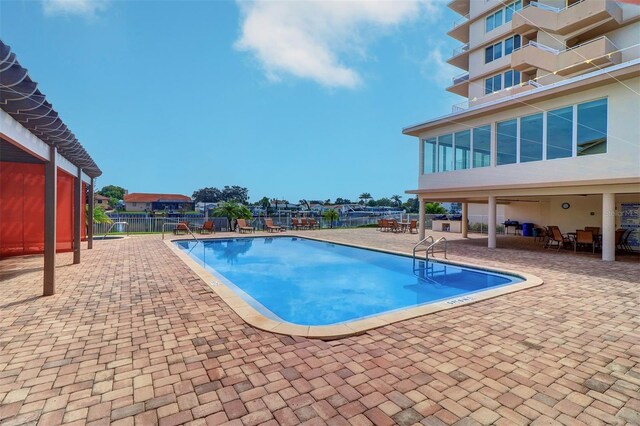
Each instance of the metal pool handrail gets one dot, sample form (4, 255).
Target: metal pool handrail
(178, 223)
(114, 224)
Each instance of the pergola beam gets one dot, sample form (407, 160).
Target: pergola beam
(50, 206)
(77, 216)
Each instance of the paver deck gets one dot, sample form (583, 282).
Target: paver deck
(133, 336)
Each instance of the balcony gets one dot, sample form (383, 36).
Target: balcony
(596, 53)
(460, 85)
(460, 30)
(460, 6)
(563, 21)
(460, 57)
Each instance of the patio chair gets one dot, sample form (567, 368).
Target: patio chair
(270, 227)
(561, 240)
(304, 223)
(243, 227)
(584, 238)
(625, 241)
(413, 226)
(208, 227)
(594, 229)
(295, 223)
(313, 224)
(395, 226)
(620, 233)
(182, 227)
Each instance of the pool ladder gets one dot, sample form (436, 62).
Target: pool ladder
(437, 246)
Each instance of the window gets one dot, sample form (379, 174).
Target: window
(531, 138)
(592, 127)
(429, 156)
(492, 53)
(507, 137)
(489, 23)
(488, 54)
(560, 133)
(493, 84)
(511, 78)
(502, 16)
(511, 9)
(445, 153)
(463, 150)
(482, 146)
(511, 44)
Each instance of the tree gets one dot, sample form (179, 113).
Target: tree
(435, 208)
(384, 202)
(232, 211)
(115, 194)
(264, 203)
(99, 216)
(236, 193)
(207, 195)
(331, 215)
(343, 201)
(397, 199)
(412, 205)
(364, 197)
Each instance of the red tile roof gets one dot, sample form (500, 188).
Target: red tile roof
(149, 198)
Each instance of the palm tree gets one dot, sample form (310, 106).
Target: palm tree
(364, 197)
(397, 199)
(331, 215)
(232, 210)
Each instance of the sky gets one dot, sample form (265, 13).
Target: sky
(291, 99)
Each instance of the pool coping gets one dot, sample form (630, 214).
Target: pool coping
(329, 332)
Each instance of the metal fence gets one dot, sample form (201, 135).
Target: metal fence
(141, 224)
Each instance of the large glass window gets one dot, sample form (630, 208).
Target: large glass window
(560, 133)
(445, 153)
(489, 23)
(429, 156)
(463, 150)
(511, 78)
(507, 138)
(498, 18)
(493, 84)
(531, 133)
(511, 44)
(592, 127)
(511, 9)
(482, 146)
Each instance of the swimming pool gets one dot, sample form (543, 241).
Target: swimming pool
(313, 283)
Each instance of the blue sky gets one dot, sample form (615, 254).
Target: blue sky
(289, 99)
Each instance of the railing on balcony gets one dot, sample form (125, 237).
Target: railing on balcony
(462, 106)
(558, 52)
(460, 78)
(461, 21)
(460, 50)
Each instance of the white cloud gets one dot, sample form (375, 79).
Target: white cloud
(436, 68)
(314, 39)
(87, 8)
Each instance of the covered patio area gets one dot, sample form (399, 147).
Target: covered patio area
(606, 207)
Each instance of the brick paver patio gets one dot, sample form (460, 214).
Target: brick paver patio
(134, 337)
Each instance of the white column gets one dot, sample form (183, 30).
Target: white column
(609, 227)
(50, 205)
(465, 219)
(422, 223)
(492, 221)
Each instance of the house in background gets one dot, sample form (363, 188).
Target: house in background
(550, 125)
(102, 201)
(140, 202)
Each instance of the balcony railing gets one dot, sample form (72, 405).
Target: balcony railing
(460, 78)
(461, 21)
(504, 93)
(460, 50)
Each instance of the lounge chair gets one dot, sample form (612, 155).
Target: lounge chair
(584, 238)
(243, 227)
(208, 227)
(304, 223)
(270, 227)
(182, 227)
(313, 224)
(295, 224)
(413, 226)
(560, 239)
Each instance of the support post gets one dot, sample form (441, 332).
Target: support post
(77, 216)
(465, 219)
(50, 205)
(492, 221)
(90, 217)
(608, 227)
(422, 219)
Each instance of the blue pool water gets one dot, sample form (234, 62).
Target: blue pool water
(309, 282)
